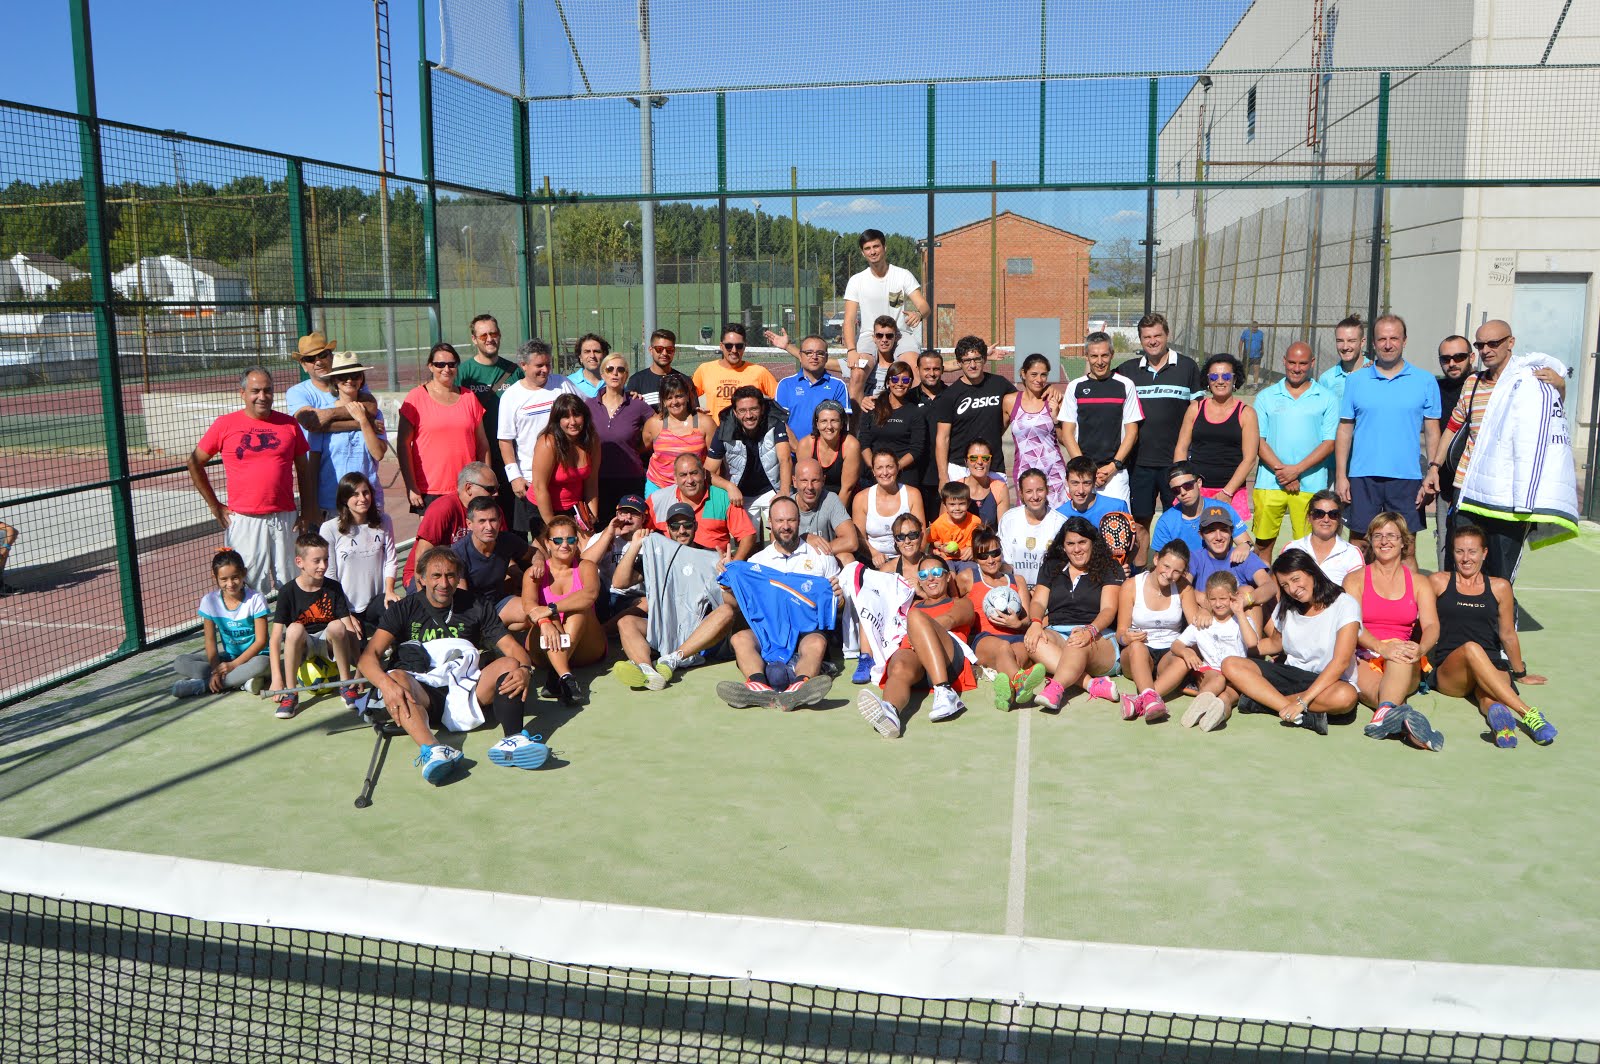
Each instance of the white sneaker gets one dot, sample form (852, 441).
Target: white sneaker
(255, 685)
(519, 751)
(880, 714)
(946, 704)
(438, 763)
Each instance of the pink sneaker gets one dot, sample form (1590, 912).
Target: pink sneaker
(1101, 687)
(1050, 697)
(1132, 706)
(1155, 710)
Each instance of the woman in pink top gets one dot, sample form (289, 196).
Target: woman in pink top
(1399, 626)
(565, 478)
(1031, 413)
(559, 597)
(441, 431)
(678, 429)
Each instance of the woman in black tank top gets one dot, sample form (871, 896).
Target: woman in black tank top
(1220, 436)
(1478, 653)
(835, 450)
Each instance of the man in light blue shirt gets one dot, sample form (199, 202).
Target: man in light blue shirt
(800, 393)
(1386, 406)
(1349, 338)
(1082, 500)
(1298, 420)
(592, 350)
(1252, 346)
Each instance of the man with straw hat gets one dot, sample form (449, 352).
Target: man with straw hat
(315, 404)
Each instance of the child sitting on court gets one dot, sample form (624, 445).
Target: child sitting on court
(313, 617)
(950, 535)
(1231, 633)
(235, 620)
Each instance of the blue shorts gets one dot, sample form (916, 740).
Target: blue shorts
(1116, 647)
(1371, 496)
(1012, 637)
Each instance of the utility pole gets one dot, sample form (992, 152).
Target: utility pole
(647, 177)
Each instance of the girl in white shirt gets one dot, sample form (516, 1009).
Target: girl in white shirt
(361, 552)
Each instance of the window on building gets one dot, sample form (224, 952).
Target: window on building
(1250, 115)
(1019, 267)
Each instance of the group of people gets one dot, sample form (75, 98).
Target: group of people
(868, 514)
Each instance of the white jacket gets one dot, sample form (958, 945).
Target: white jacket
(1522, 467)
(455, 668)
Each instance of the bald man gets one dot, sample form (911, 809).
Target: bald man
(1299, 420)
(824, 522)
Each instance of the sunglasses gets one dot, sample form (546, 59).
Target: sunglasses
(563, 541)
(1453, 359)
(682, 522)
(1219, 377)
(445, 365)
(1185, 486)
(323, 357)
(979, 458)
(1331, 515)
(733, 347)
(907, 537)
(985, 555)
(615, 369)
(885, 336)
(932, 574)
(900, 378)
(664, 350)
(488, 336)
(1485, 345)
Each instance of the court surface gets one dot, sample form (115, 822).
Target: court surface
(1075, 825)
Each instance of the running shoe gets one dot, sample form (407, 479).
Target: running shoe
(1102, 687)
(1419, 732)
(749, 693)
(946, 704)
(1317, 722)
(804, 693)
(189, 687)
(255, 685)
(1215, 713)
(1386, 721)
(1004, 690)
(1503, 723)
(1197, 708)
(863, 673)
(438, 762)
(519, 751)
(288, 706)
(1540, 730)
(350, 692)
(1132, 706)
(632, 674)
(1050, 696)
(568, 691)
(878, 713)
(1027, 682)
(1155, 710)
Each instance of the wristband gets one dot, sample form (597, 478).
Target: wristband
(514, 472)
(1517, 674)
(1435, 465)
(1094, 633)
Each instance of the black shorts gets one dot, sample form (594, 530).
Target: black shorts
(435, 697)
(1286, 679)
(1005, 637)
(1145, 484)
(527, 519)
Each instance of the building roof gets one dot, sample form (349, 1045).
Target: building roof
(983, 223)
(48, 265)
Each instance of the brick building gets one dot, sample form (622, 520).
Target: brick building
(1044, 273)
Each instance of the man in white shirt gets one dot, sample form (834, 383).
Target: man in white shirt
(882, 289)
(1026, 531)
(524, 412)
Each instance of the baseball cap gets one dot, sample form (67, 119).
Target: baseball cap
(1212, 514)
(631, 502)
(677, 510)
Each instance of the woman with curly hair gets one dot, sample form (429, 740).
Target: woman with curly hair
(1073, 613)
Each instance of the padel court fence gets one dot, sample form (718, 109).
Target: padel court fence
(142, 270)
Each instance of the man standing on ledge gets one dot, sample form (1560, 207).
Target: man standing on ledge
(882, 289)
(264, 455)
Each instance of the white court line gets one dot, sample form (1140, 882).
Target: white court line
(1578, 590)
(1017, 878)
(68, 627)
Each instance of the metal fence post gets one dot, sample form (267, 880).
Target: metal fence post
(930, 329)
(1380, 177)
(430, 243)
(1150, 150)
(722, 207)
(527, 304)
(105, 327)
(299, 269)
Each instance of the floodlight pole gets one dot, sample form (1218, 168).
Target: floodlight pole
(647, 206)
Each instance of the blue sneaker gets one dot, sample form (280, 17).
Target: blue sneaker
(1503, 723)
(438, 762)
(1540, 730)
(863, 673)
(1419, 732)
(520, 751)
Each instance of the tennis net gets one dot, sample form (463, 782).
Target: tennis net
(430, 974)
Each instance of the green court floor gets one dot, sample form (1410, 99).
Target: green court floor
(1075, 825)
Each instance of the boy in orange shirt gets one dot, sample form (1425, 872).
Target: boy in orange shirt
(950, 535)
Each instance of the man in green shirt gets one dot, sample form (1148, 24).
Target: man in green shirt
(486, 375)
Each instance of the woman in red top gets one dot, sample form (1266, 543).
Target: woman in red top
(441, 431)
(565, 478)
(999, 644)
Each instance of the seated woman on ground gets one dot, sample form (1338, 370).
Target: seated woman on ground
(876, 511)
(1200, 652)
(997, 635)
(558, 598)
(1152, 609)
(1478, 654)
(1073, 609)
(1399, 626)
(1314, 628)
(935, 654)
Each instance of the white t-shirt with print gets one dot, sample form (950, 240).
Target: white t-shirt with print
(891, 295)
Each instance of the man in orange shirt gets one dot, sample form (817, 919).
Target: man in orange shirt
(717, 381)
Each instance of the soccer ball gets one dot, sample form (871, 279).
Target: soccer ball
(1003, 604)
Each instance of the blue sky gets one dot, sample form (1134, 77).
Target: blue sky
(297, 76)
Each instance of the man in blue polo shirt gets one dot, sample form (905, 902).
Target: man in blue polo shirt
(1252, 346)
(1386, 406)
(800, 393)
(1298, 420)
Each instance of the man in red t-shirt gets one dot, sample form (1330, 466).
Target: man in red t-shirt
(264, 455)
(445, 519)
(719, 521)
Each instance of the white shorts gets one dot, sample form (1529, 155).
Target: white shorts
(1117, 487)
(266, 543)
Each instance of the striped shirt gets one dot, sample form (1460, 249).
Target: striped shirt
(1469, 412)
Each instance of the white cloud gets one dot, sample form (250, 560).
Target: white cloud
(859, 205)
(1123, 217)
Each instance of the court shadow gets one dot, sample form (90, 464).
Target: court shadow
(1526, 622)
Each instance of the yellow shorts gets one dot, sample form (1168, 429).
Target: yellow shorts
(1270, 506)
